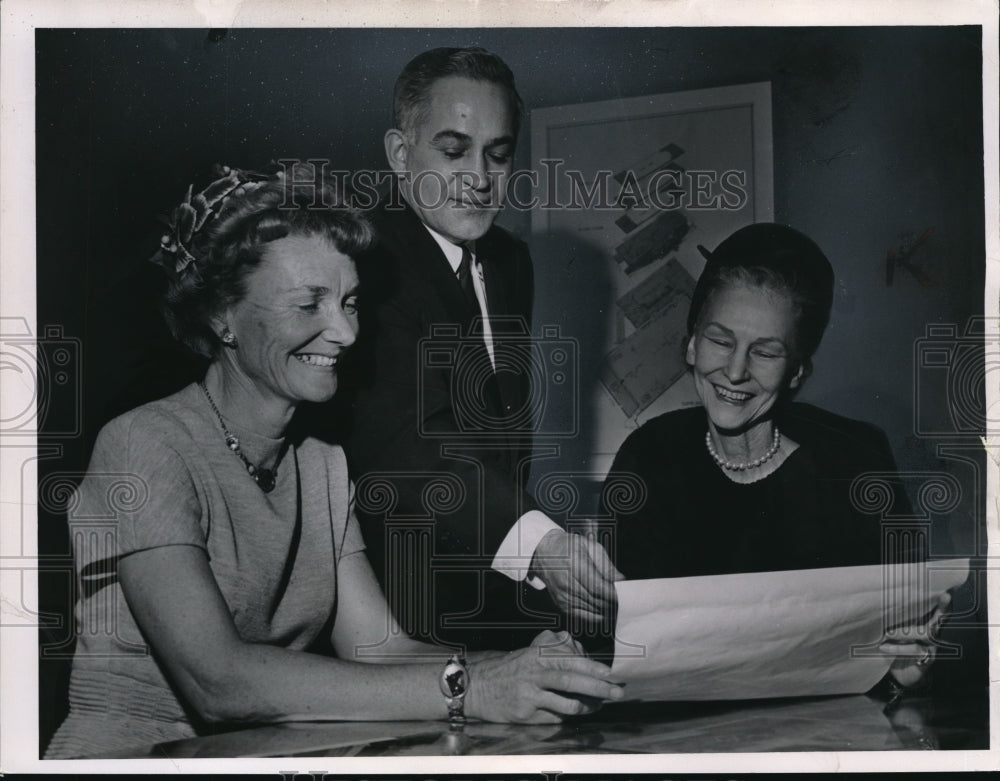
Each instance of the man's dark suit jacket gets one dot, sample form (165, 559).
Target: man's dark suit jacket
(438, 443)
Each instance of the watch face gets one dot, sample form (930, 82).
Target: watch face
(454, 680)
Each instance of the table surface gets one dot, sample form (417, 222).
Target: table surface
(854, 723)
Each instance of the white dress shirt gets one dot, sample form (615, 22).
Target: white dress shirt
(453, 252)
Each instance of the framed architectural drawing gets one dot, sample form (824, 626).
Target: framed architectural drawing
(627, 190)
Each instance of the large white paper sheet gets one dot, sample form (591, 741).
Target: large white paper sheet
(769, 634)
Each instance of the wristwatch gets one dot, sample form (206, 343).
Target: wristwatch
(454, 686)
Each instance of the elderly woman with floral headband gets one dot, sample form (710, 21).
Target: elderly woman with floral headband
(233, 587)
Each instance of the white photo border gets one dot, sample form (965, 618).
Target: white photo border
(18, 21)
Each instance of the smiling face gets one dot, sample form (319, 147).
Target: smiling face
(298, 315)
(742, 355)
(457, 161)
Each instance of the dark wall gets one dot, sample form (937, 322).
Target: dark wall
(877, 135)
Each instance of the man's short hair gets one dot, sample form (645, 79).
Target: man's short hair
(410, 96)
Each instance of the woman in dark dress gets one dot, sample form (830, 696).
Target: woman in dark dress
(751, 481)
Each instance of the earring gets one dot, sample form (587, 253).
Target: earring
(229, 338)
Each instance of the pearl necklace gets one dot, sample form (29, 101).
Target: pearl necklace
(775, 444)
(265, 478)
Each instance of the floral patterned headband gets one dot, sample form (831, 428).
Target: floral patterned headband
(195, 211)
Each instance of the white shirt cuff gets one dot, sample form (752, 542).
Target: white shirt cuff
(513, 557)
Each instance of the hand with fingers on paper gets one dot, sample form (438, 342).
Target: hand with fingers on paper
(543, 683)
(578, 573)
(915, 646)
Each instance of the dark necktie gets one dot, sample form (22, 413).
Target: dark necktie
(465, 272)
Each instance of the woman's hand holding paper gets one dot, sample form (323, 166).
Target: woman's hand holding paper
(915, 646)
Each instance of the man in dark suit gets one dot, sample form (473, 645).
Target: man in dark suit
(440, 387)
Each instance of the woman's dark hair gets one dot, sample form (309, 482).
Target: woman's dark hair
(410, 95)
(296, 201)
(782, 260)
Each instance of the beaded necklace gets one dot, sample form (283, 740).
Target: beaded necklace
(265, 478)
(742, 467)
